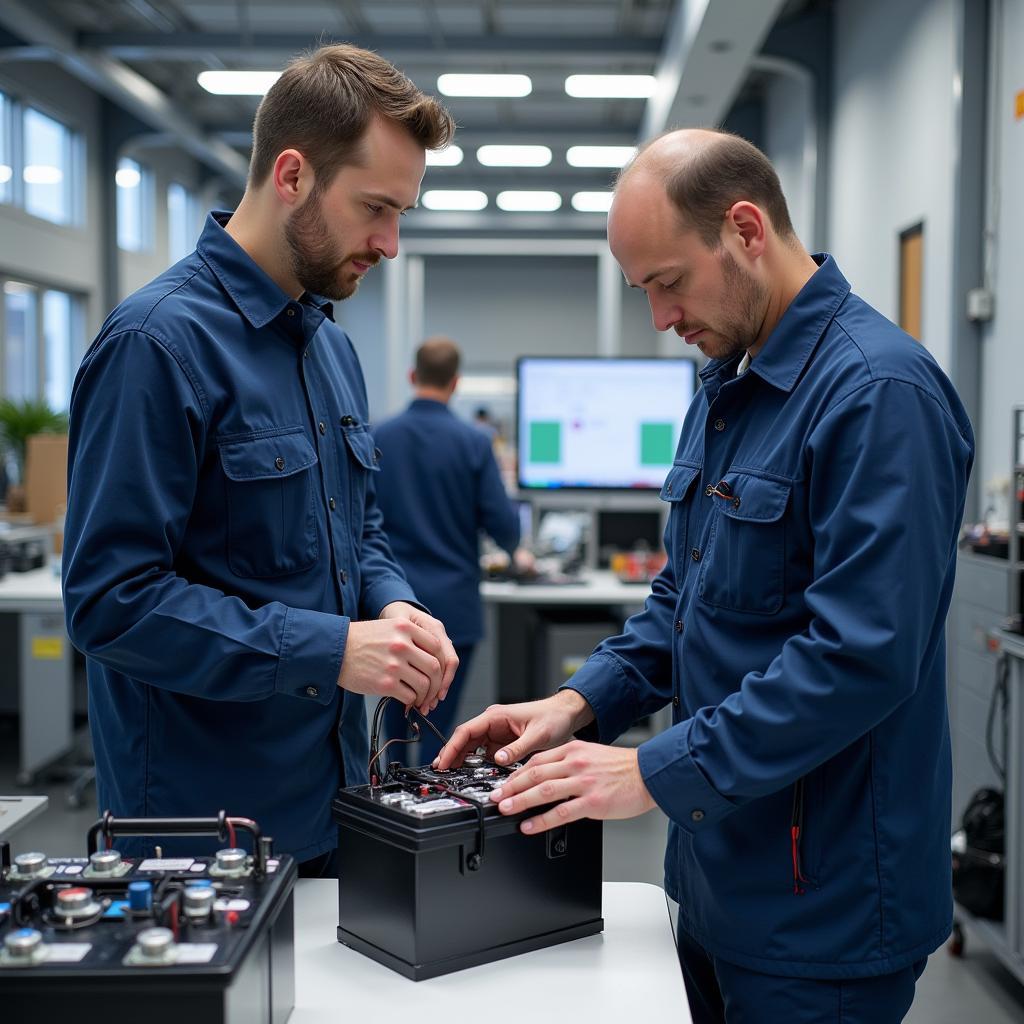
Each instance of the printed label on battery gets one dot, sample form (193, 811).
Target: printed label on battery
(67, 952)
(195, 952)
(167, 864)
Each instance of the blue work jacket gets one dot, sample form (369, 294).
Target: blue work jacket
(797, 632)
(438, 487)
(220, 537)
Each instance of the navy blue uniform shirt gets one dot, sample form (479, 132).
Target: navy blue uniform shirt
(438, 487)
(797, 630)
(220, 537)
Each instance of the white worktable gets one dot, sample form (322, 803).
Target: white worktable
(629, 972)
(601, 588)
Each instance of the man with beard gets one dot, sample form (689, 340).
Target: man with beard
(797, 628)
(225, 570)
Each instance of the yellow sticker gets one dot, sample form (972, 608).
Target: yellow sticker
(1020, 105)
(48, 648)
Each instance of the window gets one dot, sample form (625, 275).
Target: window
(49, 169)
(21, 366)
(134, 206)
(182, 221)
(6, 156)
(41, 342)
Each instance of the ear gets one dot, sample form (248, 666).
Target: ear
(747, 224)
(293, 177)
(454, 384)
(412, 377)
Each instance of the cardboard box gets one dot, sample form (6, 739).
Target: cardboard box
(46, 478)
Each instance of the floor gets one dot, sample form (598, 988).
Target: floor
(975, 989)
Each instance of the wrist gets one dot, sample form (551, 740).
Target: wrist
(582, 714)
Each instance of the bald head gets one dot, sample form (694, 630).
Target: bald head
(704, 173)
(437, 363)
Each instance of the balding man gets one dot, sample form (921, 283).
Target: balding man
(439, 486)
(797, 629)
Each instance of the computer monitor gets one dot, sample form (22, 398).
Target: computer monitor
(600, 423)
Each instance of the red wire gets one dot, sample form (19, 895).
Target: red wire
(231, 833)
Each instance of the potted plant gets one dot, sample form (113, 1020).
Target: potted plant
(19, 420)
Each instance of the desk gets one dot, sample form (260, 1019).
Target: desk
(16, 811)
(595, 588)
(629, 972)
(45, 668)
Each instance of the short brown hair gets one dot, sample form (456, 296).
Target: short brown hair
(437, 362)
(724, 171)
(324, 101)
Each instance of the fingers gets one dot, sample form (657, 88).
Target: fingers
(543, 768)
(560, 814)
(466, 738)
(543, 793)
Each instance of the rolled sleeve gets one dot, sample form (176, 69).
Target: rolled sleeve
(312, 648)
(675, 782)
(603, 684)
(384, 590)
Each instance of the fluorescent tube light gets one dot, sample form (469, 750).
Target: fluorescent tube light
(638, 87)
(600, 156)
(42, 174)
(514, 156)
(237, 83)
(592, 202)
(454, 199)
(516, 201)
(484, 85)
(450, 156)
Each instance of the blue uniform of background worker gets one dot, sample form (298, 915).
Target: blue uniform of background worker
(439, 486)
(797, 628)
(225, 570)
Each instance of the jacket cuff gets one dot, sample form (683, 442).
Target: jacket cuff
(604, 686)
(377, 595)
(312, 646)
(675, 782)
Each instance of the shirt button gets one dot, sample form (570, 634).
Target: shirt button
(322, 427)
(330, 501)
(348, 421)
(675, 702)
(305, 354)
(668, 488)
(291, 312)
(312, 691)
(344, 576)
(719, 424)
(697, 815)
(695, 554)
(279, 462)
(679, 625)
(709, 490)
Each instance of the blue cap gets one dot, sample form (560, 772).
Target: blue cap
(199, 883)
(140, 895)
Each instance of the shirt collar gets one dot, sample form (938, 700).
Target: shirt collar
(254, 292)
(788, 348)
(425, 404)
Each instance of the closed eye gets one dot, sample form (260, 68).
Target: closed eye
(672, 284)
(373, 208)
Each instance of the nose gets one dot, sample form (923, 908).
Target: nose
(664, 314)
(385, 241)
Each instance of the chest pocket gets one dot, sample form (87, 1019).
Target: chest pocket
(676, 490)
(270, 503)
(364, 459)
(745, 558)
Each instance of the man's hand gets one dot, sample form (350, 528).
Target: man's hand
(393, 657)
(449, 659)
(510, 732)
(588, 780)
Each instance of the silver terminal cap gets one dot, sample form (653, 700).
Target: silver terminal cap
(75, 901)
(231, 859)
(22, 943)
(199, 900)
(30, 863)
(473, 761)
(154, 943)
(104, 862)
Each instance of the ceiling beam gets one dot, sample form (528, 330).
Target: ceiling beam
(709, 45)
(123, 86)
(136, 45)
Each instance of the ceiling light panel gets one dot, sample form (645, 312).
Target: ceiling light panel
(453, 199)
(516, 201)
(450, 156)
(638, 87)
(599, 156)
(484, 85)
(237, 83)
(592, 202)
(514, 156)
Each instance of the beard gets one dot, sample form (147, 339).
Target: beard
(317, 261)
(743, 311)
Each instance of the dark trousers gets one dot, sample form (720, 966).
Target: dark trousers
(444, 717)
(722, 993)
(324, 866)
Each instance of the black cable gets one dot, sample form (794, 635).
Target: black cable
(999, 693)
